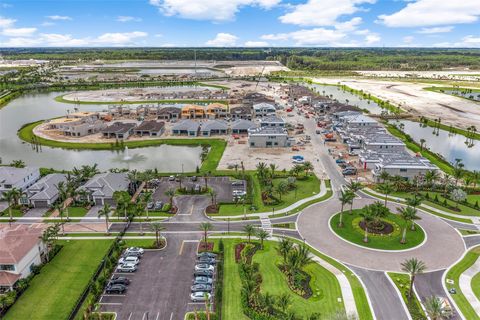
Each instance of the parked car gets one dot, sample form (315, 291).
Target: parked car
(204, 267)
(127, 267)
(203, 273)
(200, 296)
(150, 205)
(237, 183)
(239, 193)
(194, 178)
(197, 188)
(158, 205)
(202, 280)
(340, 161)
(116, 289)
(129, 259)
(207, 254)
(207, 260)
(119, 280)
(349, 171)
(132, 254)
(135, 249)
(201, 288)
(171, 178)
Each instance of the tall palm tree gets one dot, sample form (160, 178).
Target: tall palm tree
(284, 247)
(57, 207)
(436, 309)
(408, 214)
(138, 212)
(386, 189)
(413, 267)
(422, 142)
(384, 176)
(281, 188)
(273, 168)
(157, 228)
(122, 203)
(10, 197)
(147, 197)
(262, 235)
(475, 177)
(345, 197)
(307, 167)
(104, 212)
(414, 201)
(170, 193)
(205, 227)
(431, 177)
(354, 186)
(213, 196)
(367, 218)
(249, 229)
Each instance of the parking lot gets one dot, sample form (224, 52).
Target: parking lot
(160, 288)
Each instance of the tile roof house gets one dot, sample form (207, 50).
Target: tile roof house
(119, 130)
(102, 186)
(186, 127)
(169, 113)
(20, 178)
(216, 110)
(44, 192)
(20, 249)
(150, 128)
(211, 127)
(241, 112)
(242, 126)
(264, 109)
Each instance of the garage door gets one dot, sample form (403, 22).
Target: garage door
(40, 204)
(98, 202)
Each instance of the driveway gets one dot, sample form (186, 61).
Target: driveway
(36, 212)
(191, 208)
(160, 289)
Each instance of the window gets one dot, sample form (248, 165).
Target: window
(403, 170)
(7, 267)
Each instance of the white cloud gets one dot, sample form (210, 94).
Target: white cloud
(55, 39)
(223, 40)
(275, 37)
(47, 24)
(408, 39)
(256, 44)
(322, 12)
(21, 42)
(372, 38)
(118, 38)
(471, 41)
(6, 22)
(349, 26)
(433, 12)
(216, 10)
(311, 37)
(57, 17)
(18, 32)
(435, 30)
(128, 19)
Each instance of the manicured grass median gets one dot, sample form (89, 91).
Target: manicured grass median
(454, 274)
(352, 232)
(402, 282)
(53, 293)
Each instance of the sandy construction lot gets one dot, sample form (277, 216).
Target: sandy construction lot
(443, 74)
(413, 98)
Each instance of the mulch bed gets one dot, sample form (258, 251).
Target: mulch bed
(387, 228)
(173, 210)
(202, 247)
(212, 209)
(305, 291)
(238, 252)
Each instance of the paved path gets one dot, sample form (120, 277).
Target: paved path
(465, 284)
(35, 212)
(313, 225)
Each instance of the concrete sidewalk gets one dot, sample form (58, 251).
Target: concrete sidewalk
(465, 283)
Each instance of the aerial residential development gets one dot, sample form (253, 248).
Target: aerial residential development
(239, 160)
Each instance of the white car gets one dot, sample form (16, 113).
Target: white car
(200, 296)
(127, 268)
(204, 267)
(239, 193)
(134, 250)
(129, 260)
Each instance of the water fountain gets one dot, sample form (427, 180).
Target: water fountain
(126, 156)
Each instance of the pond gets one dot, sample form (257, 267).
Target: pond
(449, 146)
(38, 106)
(468, 94)
(336, 92)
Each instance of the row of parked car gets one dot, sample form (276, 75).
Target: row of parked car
(203, 277)
(128, 262)
(347, 168)
(239, 190)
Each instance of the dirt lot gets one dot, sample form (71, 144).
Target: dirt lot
(413, 98)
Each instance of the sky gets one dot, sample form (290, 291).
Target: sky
(240, 23)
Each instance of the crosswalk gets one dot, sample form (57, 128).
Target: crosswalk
(266, 224)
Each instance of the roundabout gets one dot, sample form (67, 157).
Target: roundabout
(386, 234)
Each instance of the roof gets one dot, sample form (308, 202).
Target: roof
(242, 125)
(213, 125)
(12, 175)
(241, 110)
(119, 127)
(272, 119)
(186, 125)
(105, 184)
(216, 105)
(270, 131)
(169, 110)
(46, 187)
(195, 107)
(263, 105)
(17, 241)
(151, 125)
(8, 279)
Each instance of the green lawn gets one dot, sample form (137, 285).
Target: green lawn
(454, 274)
(53, 293)
(352, 232)
(402, 281)
(476, 285)
(15, 213)
(324, 284)
(305, 188)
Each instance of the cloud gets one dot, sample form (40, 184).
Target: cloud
(435, 30)
(18, 32)
(310, 37)
(118, 38)
(408, 39)
(433, 13)
(223, 40)
(471, 41)
(21, 42)
(6, 22)
(372, 38)
(57, 17)
(256, 44)
(215, 10)
(47, 24)
(128, 19)
(318, 13)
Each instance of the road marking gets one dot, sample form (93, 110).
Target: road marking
(171, 316)
(196, 303)
(181, 248)
(130, 316)
(158, 315)
(111, 304)
(114, 295)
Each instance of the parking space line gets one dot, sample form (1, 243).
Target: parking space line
(111, 303)
(158, 315)
(114, 295)
(171, 316)
(181, 248)
(196, 303)
(129, 316)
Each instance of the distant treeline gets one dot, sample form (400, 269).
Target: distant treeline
(294, 58)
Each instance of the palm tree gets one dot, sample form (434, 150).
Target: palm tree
(284, 247)
(157, 228)
(122, 203)
(408, 214)
(249, 229)
(422, 142)
(170, 193)
(10, 197)
(307, 167)
(138, 212)
(354, 187)
(386, 189)
(283, 302)
(345, 197)
(17, 164)
(367, 218)
(205, 227)
(431, 177)
(436, 310)
(147, 197)
(104, 212)
(413, 267)
(458, 171)
(57, 207)
(384, 176)
(213, 196)
(475, 177)
(281, 188)
(262, 235)
(273, 168)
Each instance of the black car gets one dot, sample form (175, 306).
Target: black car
(119, 280)
(205, 273)
(201, 288)
(116, 288)
(207, 260)
(206, 254)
